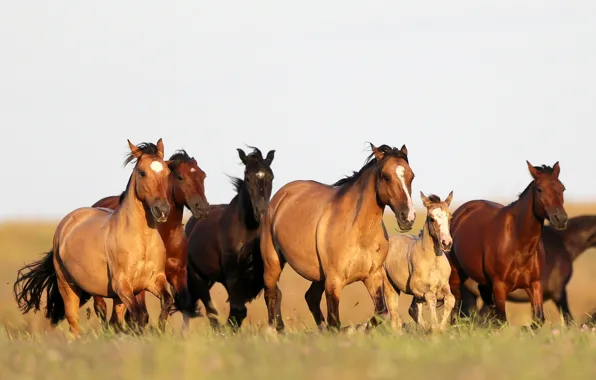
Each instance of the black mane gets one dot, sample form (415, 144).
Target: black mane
(255, 156)
(178, 158)
(545, 169)
(370, 161)
(145, 148)
(434, 198)
(237, 183)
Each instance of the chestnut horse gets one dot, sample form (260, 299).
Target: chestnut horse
(224, 247)
(561, 249)
(113, 254)
(186, 189)
(335, 235)
(500, 247)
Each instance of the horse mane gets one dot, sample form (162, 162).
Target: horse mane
(370, 161)
(544, 169)
(179, 157)
(255, 156)
(237, 183)
(145, 148)
(434, 198)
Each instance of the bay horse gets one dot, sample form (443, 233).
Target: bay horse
(500, 247)
(417, 265)
(224, 247)
(97, 251)
(186, 188)
(335, 235)
(561, 248)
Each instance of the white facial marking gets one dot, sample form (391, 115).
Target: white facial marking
(401, 171)
(260, 174)
(443, 221)
(156, 166)
(193, 169)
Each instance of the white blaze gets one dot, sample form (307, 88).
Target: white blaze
(260, 174)
(193, 169)
(443, 221)
(401, 171)
(156, 166)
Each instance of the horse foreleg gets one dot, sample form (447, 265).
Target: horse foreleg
(536, 298)
(448, 304)
(126, 295)
(118, 317)
(500, 291)
(391, 294)
(431, 300)
(238, 311)
(415, 311)
(159, 289)
(563, 306)
(313, 297)
(374, 285)
(333, 289)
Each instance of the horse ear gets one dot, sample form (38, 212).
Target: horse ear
(449, 198)
(556, 169)
(404, 150)
(270, 157)
(242, 155)
(533, 172)
(378, 154)
(160, 148)
(425, 200)
(136, 152)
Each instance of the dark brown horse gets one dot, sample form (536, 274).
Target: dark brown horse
(186, 188)
(500, 247)
(561, 248)
(334, 235)
(224, 247)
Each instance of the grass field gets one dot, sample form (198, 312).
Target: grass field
(31, 349)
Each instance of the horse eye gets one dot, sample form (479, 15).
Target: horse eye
(142, 173)
(539, 189)
(180, 178)
(386, 177)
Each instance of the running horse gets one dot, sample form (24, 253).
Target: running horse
(335, 235)
(114, 254)
(186, 188)
(561, 249)
(224, 247)
(500, 247)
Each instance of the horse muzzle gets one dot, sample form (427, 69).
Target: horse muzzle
(199, 208)
(160, 211)
(405, 221)
(558, 219)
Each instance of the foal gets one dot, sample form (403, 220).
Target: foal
(419, 267)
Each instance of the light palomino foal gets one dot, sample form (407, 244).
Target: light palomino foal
(419, 267)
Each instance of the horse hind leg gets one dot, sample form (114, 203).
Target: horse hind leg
(313, 297)
(72, 300)
(273, 265)
(101, 310)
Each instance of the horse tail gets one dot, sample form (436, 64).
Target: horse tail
(249, 283)
(32, 280)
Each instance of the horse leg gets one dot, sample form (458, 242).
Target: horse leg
(486, 295)
(160, 290)
(374, 285)
(536, 298)
(124, 291)
(273, 266)
(415, 311)
(563, 306)
(468, 302)
(391, 294)
(332, 292)
(101, 310)
(448, 304)
(205, 297)
(71, 304)
(118, 317)
(238, 309)
(500, 291)
(431, 300)
(313, 297)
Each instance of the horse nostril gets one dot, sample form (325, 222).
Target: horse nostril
(403, 215)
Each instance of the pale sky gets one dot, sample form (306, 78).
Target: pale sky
(473, 88)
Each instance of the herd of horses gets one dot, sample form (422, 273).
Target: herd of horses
(332, 235)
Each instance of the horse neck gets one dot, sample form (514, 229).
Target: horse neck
(528, 226)
(579, 235)
(132, 213)
(242, 205)
(426, 247)
(368, 212)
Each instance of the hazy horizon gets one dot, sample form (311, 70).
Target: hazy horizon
(472, 88)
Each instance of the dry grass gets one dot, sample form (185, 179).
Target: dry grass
(33, 350)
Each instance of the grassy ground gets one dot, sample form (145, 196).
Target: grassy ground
(29, 348)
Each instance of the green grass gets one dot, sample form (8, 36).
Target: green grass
(464, 352)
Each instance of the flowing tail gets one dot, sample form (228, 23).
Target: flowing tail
(250, 271)
(31, 281)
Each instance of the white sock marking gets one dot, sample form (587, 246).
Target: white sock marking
(401, 171)
(156, 166)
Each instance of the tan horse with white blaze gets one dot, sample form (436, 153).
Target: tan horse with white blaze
(113, 254)
(418, 266)
(334, 235)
